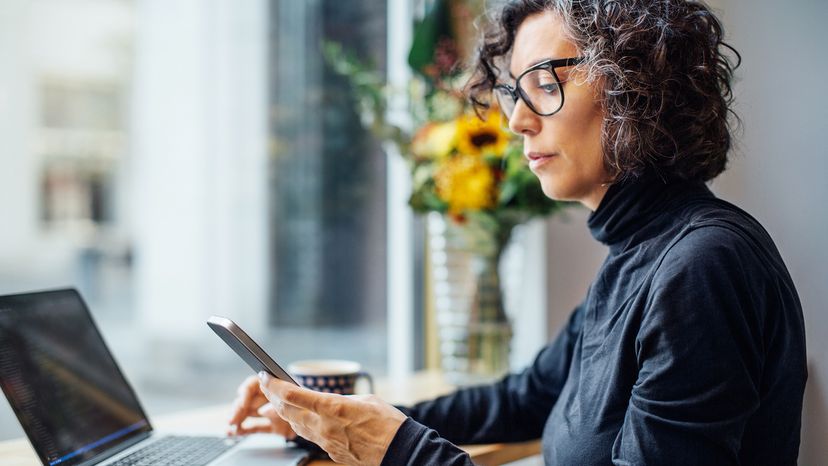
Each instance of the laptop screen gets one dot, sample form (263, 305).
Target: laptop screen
(61, 380)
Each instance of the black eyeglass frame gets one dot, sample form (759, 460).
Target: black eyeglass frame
(517, 92)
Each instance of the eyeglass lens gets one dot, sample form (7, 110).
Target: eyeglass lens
(539, 89)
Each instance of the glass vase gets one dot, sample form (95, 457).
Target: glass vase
(473, 329)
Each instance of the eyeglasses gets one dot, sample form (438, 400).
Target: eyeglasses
(538, 86)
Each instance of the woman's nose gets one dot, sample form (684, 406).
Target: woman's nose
(523, 120)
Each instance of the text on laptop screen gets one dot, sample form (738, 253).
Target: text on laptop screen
(61, 380)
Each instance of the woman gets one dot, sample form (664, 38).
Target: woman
(689, 346)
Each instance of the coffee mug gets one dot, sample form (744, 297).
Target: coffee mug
(329, 375)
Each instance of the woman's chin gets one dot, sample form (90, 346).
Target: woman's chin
(553, 191)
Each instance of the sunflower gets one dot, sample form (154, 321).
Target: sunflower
(482, 137)
(465, 182)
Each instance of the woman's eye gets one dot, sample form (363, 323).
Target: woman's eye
(548, 88)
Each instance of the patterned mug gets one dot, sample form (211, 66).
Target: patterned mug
(330, 375)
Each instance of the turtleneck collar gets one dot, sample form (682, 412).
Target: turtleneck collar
(630, 205)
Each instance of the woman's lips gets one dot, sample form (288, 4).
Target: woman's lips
(537, 159)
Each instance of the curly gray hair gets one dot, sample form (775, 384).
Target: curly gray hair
(663, 71)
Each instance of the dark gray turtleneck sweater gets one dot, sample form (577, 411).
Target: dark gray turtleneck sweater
(689, 348)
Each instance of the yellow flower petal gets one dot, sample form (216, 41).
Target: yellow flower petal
(466, 182)
(479, 137)
(435, 140)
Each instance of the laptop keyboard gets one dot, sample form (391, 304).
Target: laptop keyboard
(178, 451)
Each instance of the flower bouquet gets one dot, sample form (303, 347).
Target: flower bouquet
(469, 172)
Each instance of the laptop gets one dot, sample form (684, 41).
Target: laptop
(76, 406)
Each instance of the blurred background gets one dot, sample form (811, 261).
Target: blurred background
(180, 158)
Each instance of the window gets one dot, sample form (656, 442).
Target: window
(327, 189)
(174, 160)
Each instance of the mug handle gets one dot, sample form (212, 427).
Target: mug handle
(367, 376)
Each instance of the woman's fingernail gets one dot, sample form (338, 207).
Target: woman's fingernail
(263, 376)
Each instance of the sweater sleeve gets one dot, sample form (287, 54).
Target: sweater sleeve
(416, 444)
(511, 410)
(699, 355)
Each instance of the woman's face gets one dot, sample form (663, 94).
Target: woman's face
(564, 149)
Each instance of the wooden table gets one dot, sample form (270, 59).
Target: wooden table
(212, 420)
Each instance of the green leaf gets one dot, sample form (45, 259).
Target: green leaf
(435, 25)
(508, 191)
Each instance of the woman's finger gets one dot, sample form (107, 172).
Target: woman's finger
(297, 415)
(240, 412)
(255, 429)
(278, 424)
(301, 421)
(279, 391)
(248, 395)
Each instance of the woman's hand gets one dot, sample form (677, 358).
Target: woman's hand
(251, 404)
(351, 429)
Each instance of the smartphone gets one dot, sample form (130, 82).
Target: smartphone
(246, 348)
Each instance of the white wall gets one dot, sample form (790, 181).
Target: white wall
(573, 258)
(91, 35)
(523, 272)
(778, 174)
(399, 221)
(19, 194)
(200, 163)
